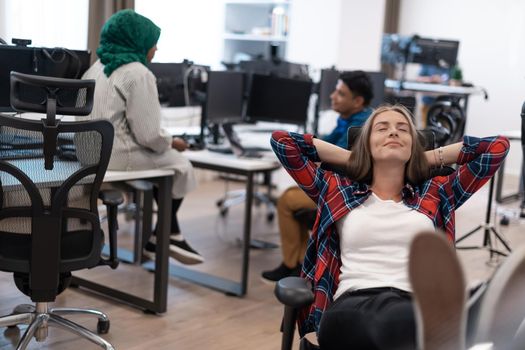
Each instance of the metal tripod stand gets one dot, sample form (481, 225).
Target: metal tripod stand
(488, 229)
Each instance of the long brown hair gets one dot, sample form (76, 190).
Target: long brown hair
(360, 165)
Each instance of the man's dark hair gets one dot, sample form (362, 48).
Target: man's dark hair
(359, 83)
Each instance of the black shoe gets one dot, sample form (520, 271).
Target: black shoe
(280, 272)
(179, 250)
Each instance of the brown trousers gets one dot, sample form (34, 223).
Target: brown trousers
(294, 235)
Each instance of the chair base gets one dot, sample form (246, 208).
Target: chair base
(305, 344)
(232, 198)
(38, 318)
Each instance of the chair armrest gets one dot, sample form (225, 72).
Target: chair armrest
(306, 216)
(112, 198)
(294, 292)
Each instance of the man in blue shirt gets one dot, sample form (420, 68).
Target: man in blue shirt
(351, 99)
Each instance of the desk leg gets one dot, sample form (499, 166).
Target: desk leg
(247, 234)
(161, 267)
(230, 287)
(163, 243)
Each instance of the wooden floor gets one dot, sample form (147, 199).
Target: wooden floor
(200, 318)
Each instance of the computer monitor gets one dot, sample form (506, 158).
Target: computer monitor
(53, 62)
(170, 82)
(328, 82)
(435, 52)
(224, 97)
(378, 87)
(327, 85)
(278, 99)
(197, 80)
(395, 48)
(279, 68)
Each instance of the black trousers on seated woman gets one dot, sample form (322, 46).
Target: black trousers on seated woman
(374, 318)
(380, 318)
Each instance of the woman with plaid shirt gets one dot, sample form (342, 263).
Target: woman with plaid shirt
(357, 256)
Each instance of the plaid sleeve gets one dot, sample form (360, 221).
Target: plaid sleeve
(298, 156)
(478, 161)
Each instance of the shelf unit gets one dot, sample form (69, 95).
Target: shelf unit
(252, 27)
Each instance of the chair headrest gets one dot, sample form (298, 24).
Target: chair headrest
(32, 93)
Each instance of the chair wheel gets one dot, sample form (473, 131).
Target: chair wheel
(219, 202)
(223, 212)
(270, 217)
(12, 332)
(103, 326)
(504, 221)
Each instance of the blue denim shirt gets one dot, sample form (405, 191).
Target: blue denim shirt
(339, 136)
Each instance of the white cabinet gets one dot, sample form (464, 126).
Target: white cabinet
(253, 28)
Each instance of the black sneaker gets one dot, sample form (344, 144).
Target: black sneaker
(179, 250)
(280, 272)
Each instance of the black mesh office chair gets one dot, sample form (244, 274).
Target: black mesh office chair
(446, 118)
(51, 172)
(408, 101)
(295, 292)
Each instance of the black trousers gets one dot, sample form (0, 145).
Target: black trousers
(381, 318)
(175, 205)
(374, 318)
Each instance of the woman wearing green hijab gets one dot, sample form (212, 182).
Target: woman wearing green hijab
(126, 94)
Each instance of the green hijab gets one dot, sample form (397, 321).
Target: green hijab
(126, 37)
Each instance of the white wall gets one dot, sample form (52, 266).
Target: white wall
(314, 32)
(361, 30)
(2, 21)
(189, 29)
(341, 33)
(50, 23)
(491, 54)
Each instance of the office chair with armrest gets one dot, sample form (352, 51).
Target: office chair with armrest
(49, 223)
(295, 292)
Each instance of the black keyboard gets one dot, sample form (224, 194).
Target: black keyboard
(220, 149)
(257, 149)
(251, 154)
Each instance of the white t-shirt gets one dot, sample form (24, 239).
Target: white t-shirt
(375, 240)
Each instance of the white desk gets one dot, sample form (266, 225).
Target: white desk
(184, 130)
(434, 88)
(229, 164)
(462, 92)
(163, 179)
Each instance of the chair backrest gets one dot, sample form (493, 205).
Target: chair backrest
(50, 175)
(408, 101)
(447, 119)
